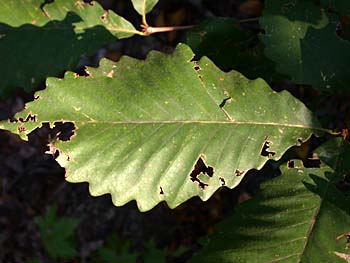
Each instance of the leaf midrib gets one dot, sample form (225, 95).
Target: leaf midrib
(317, 212)
(254, 123)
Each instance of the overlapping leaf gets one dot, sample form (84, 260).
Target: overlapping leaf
(142, 127)
(231, 47)
(301, 40)
(38, 40)
(299, 217)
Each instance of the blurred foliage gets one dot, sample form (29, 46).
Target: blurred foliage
(57, 234)
(114, 250)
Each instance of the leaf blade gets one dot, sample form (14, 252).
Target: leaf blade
(38, 43)
(152, 120)
(298, 217)
(144, 6)
(296, 34)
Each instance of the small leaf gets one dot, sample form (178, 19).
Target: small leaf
(142, 127)
(144, 6)
(56, 234)
(115, 250)
(153, 254)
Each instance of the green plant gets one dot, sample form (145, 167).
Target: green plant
(298, 216)
(114, 250)
(57, 234)
(173, 127)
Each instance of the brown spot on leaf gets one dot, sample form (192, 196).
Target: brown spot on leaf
(222, 180)
(161, 190)
(104, 16)
(238, 172)
(21, 128)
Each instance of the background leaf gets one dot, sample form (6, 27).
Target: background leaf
(297, 218)
(56, 234)
(231, 47)
(115, 250)
(300, 39)
(142, 126)
(51, 40)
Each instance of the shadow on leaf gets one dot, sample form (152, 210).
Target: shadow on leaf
(44, 51)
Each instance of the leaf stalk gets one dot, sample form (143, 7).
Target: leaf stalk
(148, 30)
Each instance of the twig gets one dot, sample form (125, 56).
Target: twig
(148, 30)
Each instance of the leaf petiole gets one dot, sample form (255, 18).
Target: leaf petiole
(148, 30)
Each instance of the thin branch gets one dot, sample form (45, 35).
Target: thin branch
(148, 30)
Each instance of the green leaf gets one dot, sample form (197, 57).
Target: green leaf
(37, 43)
(144, 6)
(29, 13)
(115, 250)
(153, 254)
(142, 126)
(56, 234)
(305, 11)
(330, 71)
(298, 217)
(299, 38)
(231, 47)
